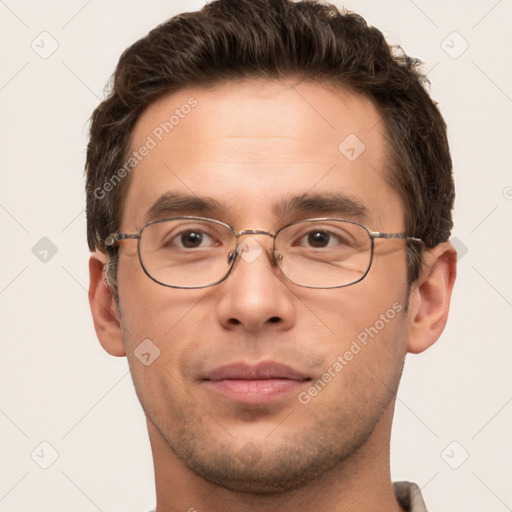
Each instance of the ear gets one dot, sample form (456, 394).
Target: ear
(104, 309)
(430, 297)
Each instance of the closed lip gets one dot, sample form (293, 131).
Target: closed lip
(262, 371)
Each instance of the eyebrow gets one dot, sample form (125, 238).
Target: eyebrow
(173, 202)
(336, 203)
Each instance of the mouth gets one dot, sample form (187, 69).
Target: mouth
(256, 384)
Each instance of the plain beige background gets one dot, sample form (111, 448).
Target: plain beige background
(58, 387)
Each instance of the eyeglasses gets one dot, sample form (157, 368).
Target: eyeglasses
(196, 252)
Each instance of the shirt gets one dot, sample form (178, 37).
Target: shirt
(408, 495)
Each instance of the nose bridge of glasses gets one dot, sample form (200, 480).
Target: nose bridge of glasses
(248, 233)
(253, 232)
(249, 248)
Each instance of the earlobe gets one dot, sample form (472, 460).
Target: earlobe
(104, 309)
(430, 298)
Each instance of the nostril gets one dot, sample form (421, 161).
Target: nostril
(234, 321)
(274, 319)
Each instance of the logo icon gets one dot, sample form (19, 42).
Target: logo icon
(460, 246)
(44, 455)
(454, 45)
(351, 147)
(44, 250)
(146, 352)
(250, 250)
(45, 45)
(455, 455)
(249, 454)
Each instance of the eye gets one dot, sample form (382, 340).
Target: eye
(320, 239)
(181, 237)
(192, 239)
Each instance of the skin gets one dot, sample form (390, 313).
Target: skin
(250, 145)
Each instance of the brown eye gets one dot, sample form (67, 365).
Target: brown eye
(318, 239)
(191, 239)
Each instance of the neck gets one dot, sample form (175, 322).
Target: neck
(359, 483)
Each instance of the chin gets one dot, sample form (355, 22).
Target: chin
(266, 468)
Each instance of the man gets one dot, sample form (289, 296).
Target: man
(269, 203)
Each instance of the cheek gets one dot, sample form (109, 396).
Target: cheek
(363, 364)
(157, 348)
(150, 310)
(367, 331)
(347, 312)
(378, 325)
(160, 334)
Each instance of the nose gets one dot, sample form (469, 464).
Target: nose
(255, 295)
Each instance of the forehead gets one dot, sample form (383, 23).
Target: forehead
(253, 144)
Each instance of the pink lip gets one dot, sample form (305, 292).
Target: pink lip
(264, 382)
(264, 370)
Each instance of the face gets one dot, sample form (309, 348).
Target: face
(262, 385)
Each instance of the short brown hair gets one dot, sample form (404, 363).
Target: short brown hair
(276, 39)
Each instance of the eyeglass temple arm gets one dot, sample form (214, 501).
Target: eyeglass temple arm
(115, 237)
(399, 236)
